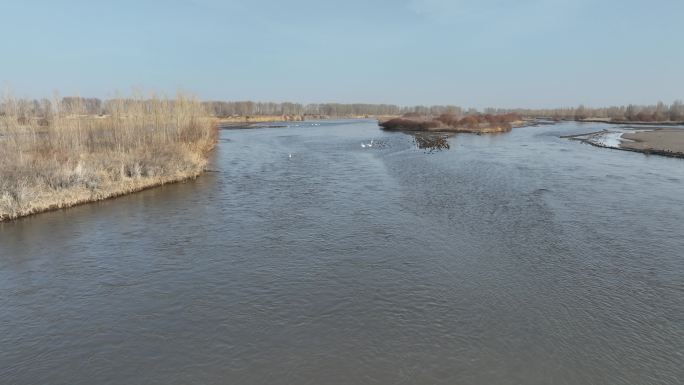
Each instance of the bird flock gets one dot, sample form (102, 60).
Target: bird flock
(370, 144)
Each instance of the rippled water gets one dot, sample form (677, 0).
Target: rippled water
(305, 258)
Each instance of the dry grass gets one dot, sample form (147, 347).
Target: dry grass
(61, 157)
(449, 123)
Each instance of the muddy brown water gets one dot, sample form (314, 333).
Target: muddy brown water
(304, 258)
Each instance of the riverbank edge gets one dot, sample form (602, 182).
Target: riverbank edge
(247, 121)
(627, 122)
(140, 186)
(666, 153)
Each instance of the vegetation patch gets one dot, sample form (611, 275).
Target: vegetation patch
(56, 154)
(477, 123)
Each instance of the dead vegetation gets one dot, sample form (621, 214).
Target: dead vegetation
(57, 155)
(478, 123)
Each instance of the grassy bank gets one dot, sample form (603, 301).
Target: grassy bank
(58, 156)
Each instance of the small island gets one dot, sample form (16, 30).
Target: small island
(476, 123)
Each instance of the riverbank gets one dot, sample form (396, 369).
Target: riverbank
(630, 122)
(65, 159)
(239, 121)
(668, 142)
(665, 141)
(71, 185)
(258, 121)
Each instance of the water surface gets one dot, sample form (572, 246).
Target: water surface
(305, 258)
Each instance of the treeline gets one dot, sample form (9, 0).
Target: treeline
(45, 108)
(248, 108)
(644, 113)
(660, 112)
(95, 106)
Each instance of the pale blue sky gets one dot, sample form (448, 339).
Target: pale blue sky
(521, 53)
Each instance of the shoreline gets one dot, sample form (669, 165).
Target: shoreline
(634, 123)
(245, 121)
(662, 142)
(677, 155)
(73, 159)
(666, 142)
(113, 194)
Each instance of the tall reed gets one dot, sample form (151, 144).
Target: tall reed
(56, 155)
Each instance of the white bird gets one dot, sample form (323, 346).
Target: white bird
(363, 145)
(290, 156)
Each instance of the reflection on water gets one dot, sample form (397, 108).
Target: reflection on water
(431, 141)
(520, 258)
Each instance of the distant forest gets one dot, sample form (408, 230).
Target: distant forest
(247, 108)
(634, 113)
(643, 113)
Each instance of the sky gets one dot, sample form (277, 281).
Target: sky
(486, 53)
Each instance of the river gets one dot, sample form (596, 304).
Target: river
(305, 258)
